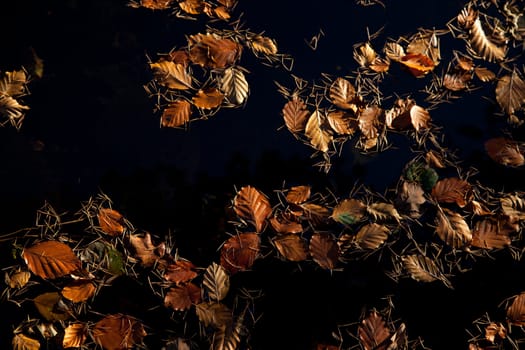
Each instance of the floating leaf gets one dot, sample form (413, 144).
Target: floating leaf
(505, 152)
(180, 298)
(324, 250)
(234, 85)
(488, 235)
(79, 290)
(111, 222)
(291, 247)
(51, 259)
(47, 305)
(208, 98)
(372, 236)
(117, 332)
(75, 335)
(252, 205)
(349, 211)
(373, 332)
(181, 271)
(216, 281)
(452, 190)
(176, 114)
(453, 229)
(319, 137)
(295, 114)
(510, 92)
(516, 311)
(343, 94)
(171, 75)
(423, 269)
(239, 252)
(23, 342)
(214, 314)
(145, 250)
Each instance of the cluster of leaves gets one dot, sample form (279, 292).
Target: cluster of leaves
(12, 89)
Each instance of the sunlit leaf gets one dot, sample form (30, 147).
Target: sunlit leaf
(510, 92)
(12, 110)
(318, 136)
(324, 250)
(111, 222)
(192, 7)
(516, 311)
(423, 269)
(372, 236)
(239, 252)
(417, 64)
(369, 121)
(176, 114)
(487, 234)
(343, 94)
(216, 282)
(79, 290)
(46, 304)
(342, 122)
(349, 211)
(23, 342)
(281, 223)
(155, 4)
(495, 331)
(383, 211)
(253, 206)
(484, 74)
(145, 250)
(234, 85)
(452, 190)
(75, 335)
(208, 98)
(457, 81)
(295, 114)
(264, 45)
(117, 332)
(483, 45)
(171, 75)
(291, 247)
(51, 259)
(180, 298)
(373, 332)
(453, 229)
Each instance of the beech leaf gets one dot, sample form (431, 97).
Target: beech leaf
(453, 229)
(234, 85)
(510, 92)
(253, 206)
(75, 335)
(118, 331)
(239, 252)
(319, 137)
(324, 250)
(291, 247)
(295, 114)
(423, 269)
(51, 259)
(216, 282)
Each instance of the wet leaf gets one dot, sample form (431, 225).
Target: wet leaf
(291, 247)
(453, 229)
(239, 252)
(75, 335)
(505, 152)
(51, 259)
(216, 282)
(180, 298)
(171, 75)
(79, 290)
(118, 332)
(176, 114)
(23, 342)
(111, 222)
(208, 98)
(47, 305)
(349, 211)
(295, 114)
(324, 250)
(372, 236)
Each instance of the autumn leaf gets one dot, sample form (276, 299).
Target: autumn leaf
(145, 250)
(75, 335)
(318, 136)
(261, 44)
(453, 229)
(487, 234)
(342, 123)
(372, 236)
(23, 342)
(13, 83)
(208, 98)
(343, 94)
(295, 114)
(423, 269)
(192, 7)
(216, 282)
(516, 311)
(47, 305)
(171, 75)
(253, 206)
(234, 85)
(212, 51)
(513, 206)
(176, 114)
(452, 190)
(180, 271)
(510, 92)
(505, 152)
(51, 259)
(298, 194)
(478, 40)
(373, 332)
(383, 211)
(411, 195)
(181, 297)
(118, 332)
(111, 222)
(282, 223)
(153, 4)
(417, 64)
(12, 110)
(291, 247)
(349, 211)
(239, 252)
(18, 279)
(369, 121)
(214, 314)
(324, 250)
(79, 290)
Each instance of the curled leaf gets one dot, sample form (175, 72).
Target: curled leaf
(208, 98)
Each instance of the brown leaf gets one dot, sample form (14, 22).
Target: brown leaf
(434, 160)
(239, 252)
(453, 229)
(412, 195)
(505, 152)
(319, 137)
(324, 250)
(145, 250)
(75, 335)
(516, 311)
(212, 51)
(176, 114)
(214, 314)
(18, 279)
(208, 98)
(298, 194)
(295, 114)
(192, 7)
(483, 45)
(369, 121)
(495, 331)
(156, 4)
(349, 211)
(342, 123)
(51, 259)
(264, 45)
(79, 290)
(118, 332)
(372, 236)
(343, 94)
(181, 271)
(234, 85)
(47, 305)
(364, 54)
(291, 247)
(452, 190)
(373, 332)
(216, 282)
(23, 342)
(283, 224)
(253, 206)
(513, 206)
(315, 213)
(383, 211)
(510, 92)
(487, 234)
(425, 43)
(457, 81)
(180, 298)
(417, 64)
(484, 74)
(111, 222)
(423, 269)
(171, 75)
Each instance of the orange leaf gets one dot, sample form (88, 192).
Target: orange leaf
(22, 342)
(171, 75)
(239, 252)
(180, 298)
(75, 335)
(145, 250)
(324, 250)
(487, 234)
(281, 223)
(118, 332)
(51, 259)
(79, 290)
(264, 45)
(342, 123)
(252, 205)
(343, 94)
(291, 247)
(192, 7)
(156, 4)
(208, 98)
(176, 114)
(18, 279)
(210, 50)
(504, 151)
(111, 221)
(452, 190)
(181, 271)
(369, 120)
(295, 114)
(298, 194)
(373, 332)
(453, 229)
(417, 64)
(516, 311)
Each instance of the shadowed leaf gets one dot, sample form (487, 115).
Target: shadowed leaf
(145, 250)
(214, 314)
(47, 305)
(117, 332)
(324, 250)
(516, 311)
(181, 271)
(180, 298)
(505, 152)
(452, 190)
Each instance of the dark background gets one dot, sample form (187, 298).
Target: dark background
(91, 128)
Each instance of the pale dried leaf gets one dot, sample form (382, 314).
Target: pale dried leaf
(516, 311)
(383, 211)
(171, 75)
(13, 83)
(319, 137)
(343, 94)
(369, 121)
(216, 282)
(372, 236)
(484, 74)
(234, 85)
(482, 45)
(145, 250)
(342, 122)
(295, 114)
(264, 45)
(513, 206)
(412, 195)
(453, 229)
(18, 279)
(510, 92)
